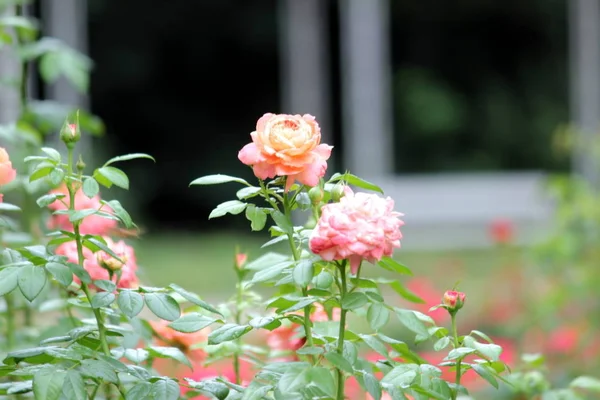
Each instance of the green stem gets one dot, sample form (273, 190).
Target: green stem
(238, 320)
(10, 321)
(340, 345)
(456, 346)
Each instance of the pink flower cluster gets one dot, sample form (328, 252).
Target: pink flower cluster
(7, 172)
(96, 264)
(92, 225)
(361, 226)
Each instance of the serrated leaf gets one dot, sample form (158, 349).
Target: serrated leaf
(165, 389)
(74, 386)
(191, 322)
(322, 379)
(130, 303)
(339, 362)
(140, 390)
(163, 306)
(233, 207)
(102, 299)
(90, 187)
(378, 316)
(48, 383)
(372, 385)
(227, 333)
(128, 157)
(60, 272)
(8, 279)
(410, 321)
(99, 369)
(217, 179)
(193, 298)
(354, 300)
(106, 285)
(31, 281)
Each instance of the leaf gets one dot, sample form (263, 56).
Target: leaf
(121, 213)
(99, 369)
(294, 379)
(191, 322)
(587, 383)
(247, 192)
(282, 221)
(8, 279)
(9, 207)
(106, 285)
(60, 272)
(410, 320)
(354, 300)
(140, 390)
(270, 273)
(90, 187)
(102, 299)
(227, 333)
(485, 373)
(405, 293)
(113, 175)
(392, 265)
(163, 306)
(256, 216)
(81, 214)
(56, 176)
(356, 181)
(372, 385)
(441, 344)
(74, 387)
(169, 352)
(130, 302)
(165, 389)
(40, 173)
(233, 207)
(52, 153)
(128, 157)
(31, 280)
(193, 298)
(303, 272)
(48, 384)
(402, 375)
(322, 378)
(378, 316)
(217, 179)
(137, 355)
(47, 199)
(489, 350)
(269, 323)
(339, 362)
(375, 344)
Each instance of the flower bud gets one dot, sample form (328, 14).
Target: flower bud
(110, 263)
(80, 164)
(453, 300)
(337, 192)
(240, 260)
(70, 133)
(316, 195)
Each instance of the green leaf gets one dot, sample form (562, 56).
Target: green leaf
(294, 379)
(165, 389)
(193, 298)
(405, 293)
(282, 221)
(60, 272)
(339, 362)
(163, 306)
(48, 384)
(130, 302)
(137, 355)
(106, 285)
(47, 199)
(392, 265)
(441, 344)
(482, 335)
(354, 300)
(402, 375)
(372, 385)
(191, 322)
(227, 333)
(121, 213)
(485, 373)
(247, 192)
(270, 273)
(140, 390)
(52, 153)
(212, 386)
(96, 243)
(31, 280)
(56, 176)
(324, 280)
(74, 387)
(99, 369)
(375, 344)
(40, 173)
(356, 181)
(9, 207)
(412, 322)
(217, 179)
(8, 279)
(128, 157)
(256, 216)
(269, 323)
(587, 383)
(90, 187)
(489, 350)
(233, 207)
(378, 316)
(81, 214)
(169, 352)
(303, 272)
(113, 175)
(102, 299)
(322, 379)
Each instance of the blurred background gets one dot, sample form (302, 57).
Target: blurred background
(475, 116)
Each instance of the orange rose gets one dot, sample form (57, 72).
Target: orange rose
(7, 172)
(287, 145)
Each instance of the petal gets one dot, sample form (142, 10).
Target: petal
(250, 154)
(262, 121)
(263, 170)
(324, 151)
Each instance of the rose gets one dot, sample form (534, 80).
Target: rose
(287, 145)
(453, 300)
(7, 172)
(361, 226)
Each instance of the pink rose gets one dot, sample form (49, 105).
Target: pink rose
(287, 145)
(92, 224)
(128, 279)
(7, 172)
(361, 226)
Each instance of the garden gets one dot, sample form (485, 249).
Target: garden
(330, 307)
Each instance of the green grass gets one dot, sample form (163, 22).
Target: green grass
(204, 262)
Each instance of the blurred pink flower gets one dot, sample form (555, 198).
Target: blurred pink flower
(361, 226)
(184, 341)
(92, 224)
(502, 231)
(7, 172)
(564, 339)
(425, 289)
(128, 270)
(222, 369)
(287, 145)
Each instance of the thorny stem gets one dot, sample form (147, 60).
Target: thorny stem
(456, 345)
(340, 345)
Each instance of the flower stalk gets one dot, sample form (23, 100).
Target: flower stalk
(342, 330)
